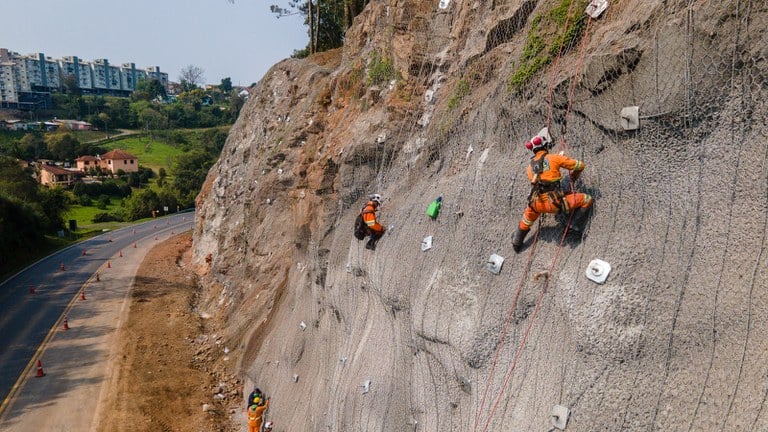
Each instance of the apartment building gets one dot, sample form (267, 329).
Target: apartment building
(26, 81)
(73, 66)
(8, 93)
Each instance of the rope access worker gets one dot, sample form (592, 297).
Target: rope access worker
(375, 229)
(547, 195)
(256, 393)
(256, 414)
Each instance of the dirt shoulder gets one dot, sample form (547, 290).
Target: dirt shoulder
(171, 372)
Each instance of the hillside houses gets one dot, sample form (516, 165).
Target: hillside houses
(50, 174)
(54, 175)
(111, 162)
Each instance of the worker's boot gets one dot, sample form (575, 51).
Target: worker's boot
(518, 238)
(371, 243)
(579, 219)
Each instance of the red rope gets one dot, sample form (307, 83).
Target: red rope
(563, 143)
(510, 314)
(530, 325)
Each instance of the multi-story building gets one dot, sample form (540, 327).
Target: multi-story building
(72, 65)
(153, 72)
(26, 81)
(8, 93)
(129, 76)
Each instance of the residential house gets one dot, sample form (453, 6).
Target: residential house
(74, 124)
(14, 125)
(52, 175)
(111, 162)
(85, 163)
(119, 160)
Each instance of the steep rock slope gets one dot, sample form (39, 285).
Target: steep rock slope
(424, 101)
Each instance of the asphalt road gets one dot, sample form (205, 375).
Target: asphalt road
(27, 319)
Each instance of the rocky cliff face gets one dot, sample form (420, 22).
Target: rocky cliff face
(425, 101)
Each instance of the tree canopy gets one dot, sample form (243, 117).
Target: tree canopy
(327, 21)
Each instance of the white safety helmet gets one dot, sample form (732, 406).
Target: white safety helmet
(268, 426)
(376, 198)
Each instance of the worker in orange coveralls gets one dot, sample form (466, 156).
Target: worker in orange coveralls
(547, 195)
(256, 414)
(375, 229)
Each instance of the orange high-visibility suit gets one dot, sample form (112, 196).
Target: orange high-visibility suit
(256, 416)
(369, 217)
(546, 196)
(375, 229)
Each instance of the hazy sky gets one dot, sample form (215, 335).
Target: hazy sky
(241, 40)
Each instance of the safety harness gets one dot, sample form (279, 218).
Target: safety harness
(541, 187)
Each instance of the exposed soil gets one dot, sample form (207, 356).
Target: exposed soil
(171, 373)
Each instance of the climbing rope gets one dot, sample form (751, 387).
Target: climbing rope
(526, 268)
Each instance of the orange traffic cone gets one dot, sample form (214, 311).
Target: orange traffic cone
(66, 324)
(121, 254)
(108, 264)
(98, 279)
(61, 267)
(31, 289)
(40, 372)
(82, 294)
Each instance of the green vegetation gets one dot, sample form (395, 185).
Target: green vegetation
(27, 212)
(151, 153)
(326, 20)
(461, 91)
(546, 39)
(380, 70)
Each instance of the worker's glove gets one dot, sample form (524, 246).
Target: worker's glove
(575, 176)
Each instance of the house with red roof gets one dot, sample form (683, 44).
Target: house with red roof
(53, 175)
(112, 162)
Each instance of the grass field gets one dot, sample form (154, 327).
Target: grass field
(152, 154)
(84, 214)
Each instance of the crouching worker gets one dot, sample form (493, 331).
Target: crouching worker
(375, 229)
(256, 414)
(547, 195)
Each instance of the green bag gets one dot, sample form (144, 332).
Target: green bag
(434, 207)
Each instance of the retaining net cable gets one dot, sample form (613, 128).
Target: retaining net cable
(563, 143)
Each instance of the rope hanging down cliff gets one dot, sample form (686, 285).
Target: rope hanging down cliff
(519, 350)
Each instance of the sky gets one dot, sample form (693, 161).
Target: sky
(240, 40)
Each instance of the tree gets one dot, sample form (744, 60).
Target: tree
(16, 182)
(226, 85)
(62, 145)
(190, 170)
(32, 146)
(141, 204)
(327, 20)
(104, 119)
(149, 90)
(192, 76)
(53, 203)
(235, 105)
(70, 85)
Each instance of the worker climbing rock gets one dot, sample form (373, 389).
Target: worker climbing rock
(547, 195)
(256, 393)
(256, 414)
(375, 229)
